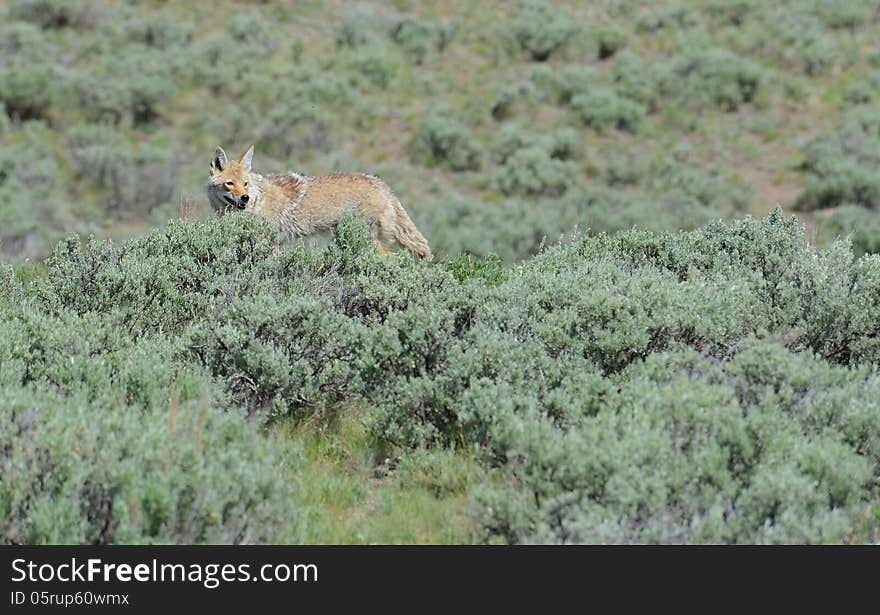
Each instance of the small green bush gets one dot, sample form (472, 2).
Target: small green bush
(624, 171)
(357, 28)
(488, 269)
(637, 79)
(52, 14)
(30, 222)
(799, 40)
(105, 101)
(851, 15)
(541, 29)
(415, 36)
(560, 144)
(26, 89)
(860, 93)
(531, 171)
(674, 16)
(819, 54)
(160, 31)
(442, 140)
(733, 12)
(148, 84)
(108, 438)
(281, 358)
(717, 77)
(509, 99)
(860, 225)
(842, 164)
(134, 85)
(610, 39)
(574, 81)
(376, 65)
(79, 471)
(134, 180)
(164, 279)
(535, 165)
(603, 109)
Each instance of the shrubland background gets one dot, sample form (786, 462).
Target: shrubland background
(713, 385)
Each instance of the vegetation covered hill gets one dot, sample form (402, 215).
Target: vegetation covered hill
(499, 124)
(593, 356)
(718, 385)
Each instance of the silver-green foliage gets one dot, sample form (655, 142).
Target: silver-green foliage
(842, 164)
(107, 437)
(718, 385)
(541, 29)
(443, 140)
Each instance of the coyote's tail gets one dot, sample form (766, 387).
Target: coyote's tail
(407, 235)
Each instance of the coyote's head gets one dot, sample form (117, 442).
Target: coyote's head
(229, 180)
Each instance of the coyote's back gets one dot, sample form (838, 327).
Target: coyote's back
(302, 205)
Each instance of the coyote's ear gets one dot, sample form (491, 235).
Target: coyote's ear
(246, 158)
(218, 160)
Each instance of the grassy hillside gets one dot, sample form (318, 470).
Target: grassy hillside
(188, 386)
(500, 124)
(592, 357)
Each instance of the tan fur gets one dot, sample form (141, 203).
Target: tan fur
(302, 205)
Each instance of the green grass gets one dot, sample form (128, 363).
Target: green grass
(351, 493)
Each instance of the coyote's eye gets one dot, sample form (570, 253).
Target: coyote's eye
(245, 184)
(228, 184)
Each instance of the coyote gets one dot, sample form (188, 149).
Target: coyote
(302, 205)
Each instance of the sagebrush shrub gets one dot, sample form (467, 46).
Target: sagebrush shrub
(52, 14)
(531, 171)
(800, 40)
(79, 471)
(27, 89)
(444, 140)
(415, 36)
(134, 85)
(733, 12)
(512, 228)
(852, 14)
(637, 79)
(716, 76)
(713, 385)
(510, 98)
(160, 31)
(541, 29)
(863, 91)
(842, 164)
(281, 359)
(376, 65)
(559, 145)
(603, 109)
(164, 279)
(860, 225)
(710, 386)
(673, 16)
(108, 438)
(133, 180)
(563, 85)
(609, 39)
(29, 222)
